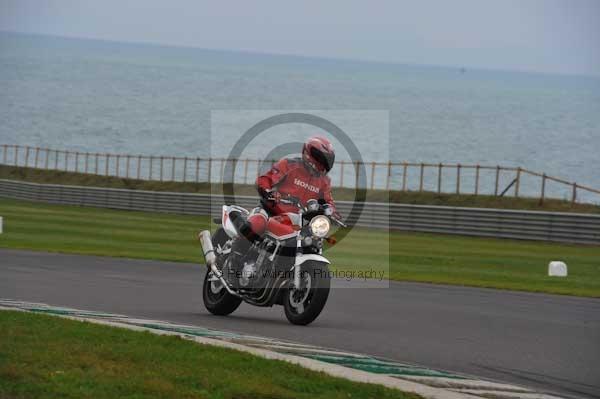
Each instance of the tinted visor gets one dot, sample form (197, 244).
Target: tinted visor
(324, 159)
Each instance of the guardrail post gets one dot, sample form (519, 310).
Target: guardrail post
(106, 166)
(372, 175)
(184, 168)
(477, 179)
(172, 168)
(574, 195)
(518, 182)
(162, 159)
(389, 175)
(421, 177)
(26, 156)
(439, 186)
(458, 178)
(404, 170)
(543, 191)
(497, 180)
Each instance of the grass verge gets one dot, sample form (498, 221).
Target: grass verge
(48, 357)
(408, 197)
(435, 258)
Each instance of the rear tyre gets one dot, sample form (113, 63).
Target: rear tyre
(303, 306)
(216, 298)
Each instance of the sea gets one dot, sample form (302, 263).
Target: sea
(102, 96)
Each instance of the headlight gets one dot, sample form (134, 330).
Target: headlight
(319, 226)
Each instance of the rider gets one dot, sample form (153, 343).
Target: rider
(303, 178)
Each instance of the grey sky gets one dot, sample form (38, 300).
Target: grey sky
(541, 35)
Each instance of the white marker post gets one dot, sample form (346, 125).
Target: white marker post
(557, 269)
(0, 224)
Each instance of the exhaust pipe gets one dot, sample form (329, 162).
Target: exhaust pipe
(210, 258)
(207, 249)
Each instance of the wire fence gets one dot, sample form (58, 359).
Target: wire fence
(399, 176)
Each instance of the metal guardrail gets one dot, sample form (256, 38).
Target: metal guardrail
(528, 225)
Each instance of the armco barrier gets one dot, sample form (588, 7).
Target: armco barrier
(529, 225)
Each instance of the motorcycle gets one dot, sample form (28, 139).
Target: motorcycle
(284, 267)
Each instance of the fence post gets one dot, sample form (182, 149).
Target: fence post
(150, 171)
(543, 193)
(5, 148)
(440, 166)
(184, 168)
(87, 159)
(56, 160)
(497, 180)
(118, 163)
(209, 172)
(66, 161)
(477, 179)
(106, 166)
(96, 163)
(162, 159)
(37, 156)
(356, 177)
(26, 155)
(77, 161)
(138, 170)
(127, 159)
(458, 178)
(389, 175)
(173, 159)
(47, 160)
(342, 174)
(518, 182)
(246, 171)
(222, 171)
(16, 155)
(574, 196)
(404, 170)
(372, 175)
(197, 169)
(421, 177)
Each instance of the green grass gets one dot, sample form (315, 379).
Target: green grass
(409, 197)
(436, 258)
(48, 357)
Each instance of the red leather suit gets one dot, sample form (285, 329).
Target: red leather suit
(289, 177)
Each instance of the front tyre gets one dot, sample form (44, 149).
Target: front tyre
(302, 306)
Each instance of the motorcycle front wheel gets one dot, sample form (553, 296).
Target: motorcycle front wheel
(302, 306)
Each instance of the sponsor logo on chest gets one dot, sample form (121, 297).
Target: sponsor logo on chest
(306, 186)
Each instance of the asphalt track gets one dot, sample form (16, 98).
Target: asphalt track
(547, 342)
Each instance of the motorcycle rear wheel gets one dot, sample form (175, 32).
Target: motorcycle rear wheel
(219, 303)
(303, 306)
